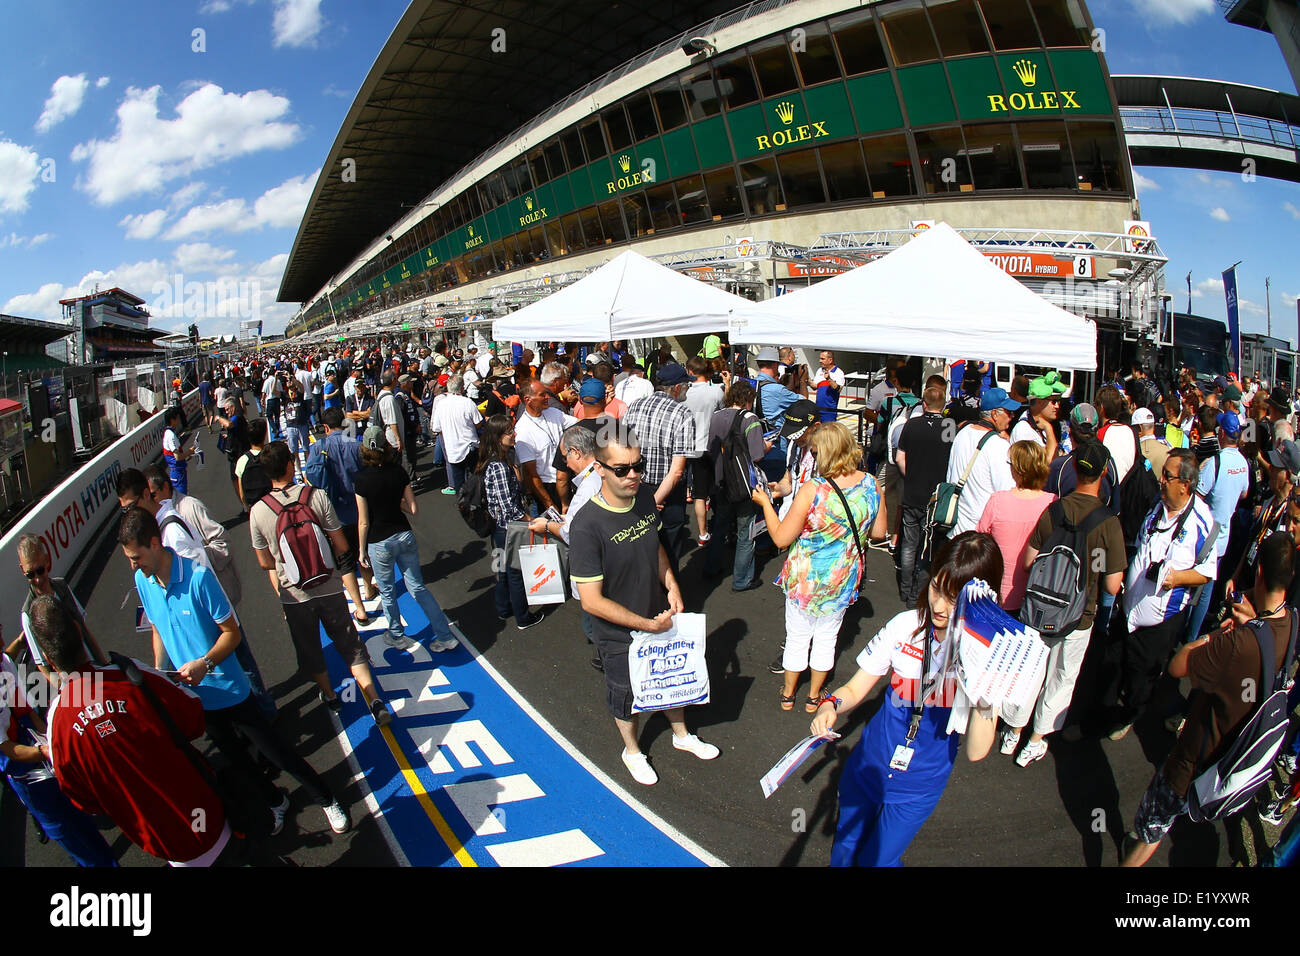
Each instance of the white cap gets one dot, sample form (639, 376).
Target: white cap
(1143, 416)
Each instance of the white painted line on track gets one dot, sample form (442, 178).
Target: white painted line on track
(367, 795)
(663, 826)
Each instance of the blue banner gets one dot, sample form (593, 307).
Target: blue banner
(1234, 323)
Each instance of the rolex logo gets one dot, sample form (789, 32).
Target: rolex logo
(625, 162)
(785, 112)
(471, 230)
(528, 203)
(1027, 71)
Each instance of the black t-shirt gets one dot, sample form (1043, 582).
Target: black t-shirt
(621, 550)
(382, 490)
(1062, 479)
(927, 442)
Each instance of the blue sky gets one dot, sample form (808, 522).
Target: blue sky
(134, 153)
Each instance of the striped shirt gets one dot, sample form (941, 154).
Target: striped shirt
(1146, 604)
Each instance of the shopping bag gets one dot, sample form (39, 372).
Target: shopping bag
(543, 578)
(668, 670)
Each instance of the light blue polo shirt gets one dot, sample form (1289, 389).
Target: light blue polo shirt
(772, 404)
(186, 615)
(1223, 492)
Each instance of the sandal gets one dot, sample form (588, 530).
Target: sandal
(811, 704)
(360, 620)
(787, 703)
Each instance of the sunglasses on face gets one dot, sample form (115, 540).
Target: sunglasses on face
(622, 470)
(1165, 476)
(35, 573)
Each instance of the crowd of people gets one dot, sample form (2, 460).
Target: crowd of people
(1182, 509)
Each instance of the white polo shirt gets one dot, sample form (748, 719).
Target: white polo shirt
(1145, 603)
(454, 418)
(536, 439)
(990, 473)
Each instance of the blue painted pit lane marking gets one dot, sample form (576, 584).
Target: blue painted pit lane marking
(487, 779)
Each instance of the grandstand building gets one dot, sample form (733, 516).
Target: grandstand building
(774, 144)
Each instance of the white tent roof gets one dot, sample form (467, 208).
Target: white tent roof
(935, 296)
(628, 297)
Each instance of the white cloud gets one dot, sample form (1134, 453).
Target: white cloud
(19, 167)
(1207, 287)
(211, 126)
(296, 22)
(15, 241)
(1290, 300)
(279, 207)
(101, 83)
(201, 257)
(1141, 182)
(1174, 11)
(144, 226)
(185, 195)
(175, 297)
(64, 100)
(215, 6)
(1291, 208)
(1221, 214)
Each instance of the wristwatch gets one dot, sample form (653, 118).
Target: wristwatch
(208, 663)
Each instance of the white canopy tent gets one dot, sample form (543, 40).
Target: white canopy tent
(628, 297)
(935, 296)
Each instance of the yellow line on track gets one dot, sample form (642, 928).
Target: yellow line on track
(413, 781)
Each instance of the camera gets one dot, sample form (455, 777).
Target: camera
(1153, 572)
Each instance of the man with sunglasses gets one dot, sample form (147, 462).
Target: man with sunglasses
(1038, 424)
(613, 541)
(1175, 556)
(35, 564)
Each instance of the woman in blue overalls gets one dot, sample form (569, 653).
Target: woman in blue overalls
(898, 771)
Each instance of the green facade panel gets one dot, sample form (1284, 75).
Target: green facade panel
(749, 130)
(711, 142)
(1080, 70)
(974, 80)
(829, 104)
(875, 103)
(679, 150)
(925, 91)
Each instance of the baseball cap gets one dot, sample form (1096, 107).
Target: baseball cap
(768, 354)
(1232, 393)
(374, 438)
(1285, 454)
(592, 391)
(1221, 382)
(403, 379)
(798, 417)
(1230, 423)
(1046, 386)
(996, 398)
(1090, 460)
(596, 358)
(1084, 414)
(1144, 416)
(671, 374)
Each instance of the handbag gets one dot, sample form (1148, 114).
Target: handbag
(543, 574)
(942, 509)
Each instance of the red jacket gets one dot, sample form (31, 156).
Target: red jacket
(113, 754)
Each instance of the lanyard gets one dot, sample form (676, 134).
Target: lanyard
(918, 702)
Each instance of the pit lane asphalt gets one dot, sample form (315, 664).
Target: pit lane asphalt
(1069, 809)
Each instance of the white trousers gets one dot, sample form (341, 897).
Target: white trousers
(804, 630)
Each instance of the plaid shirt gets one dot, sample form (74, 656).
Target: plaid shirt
(501, 487)
(666, 429)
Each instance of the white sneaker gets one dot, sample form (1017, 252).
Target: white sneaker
(1034, 750)
(337, 817)
(1009, 741)
(640, 768)
(277, 814)
(692, 744)
(444, 644)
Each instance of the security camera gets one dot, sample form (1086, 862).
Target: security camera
(698, 45)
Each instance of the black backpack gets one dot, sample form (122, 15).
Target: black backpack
(1138, 494)
(254, 480)
(737, 467)
(1056, 593)
(410, 417)
(471, 501)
